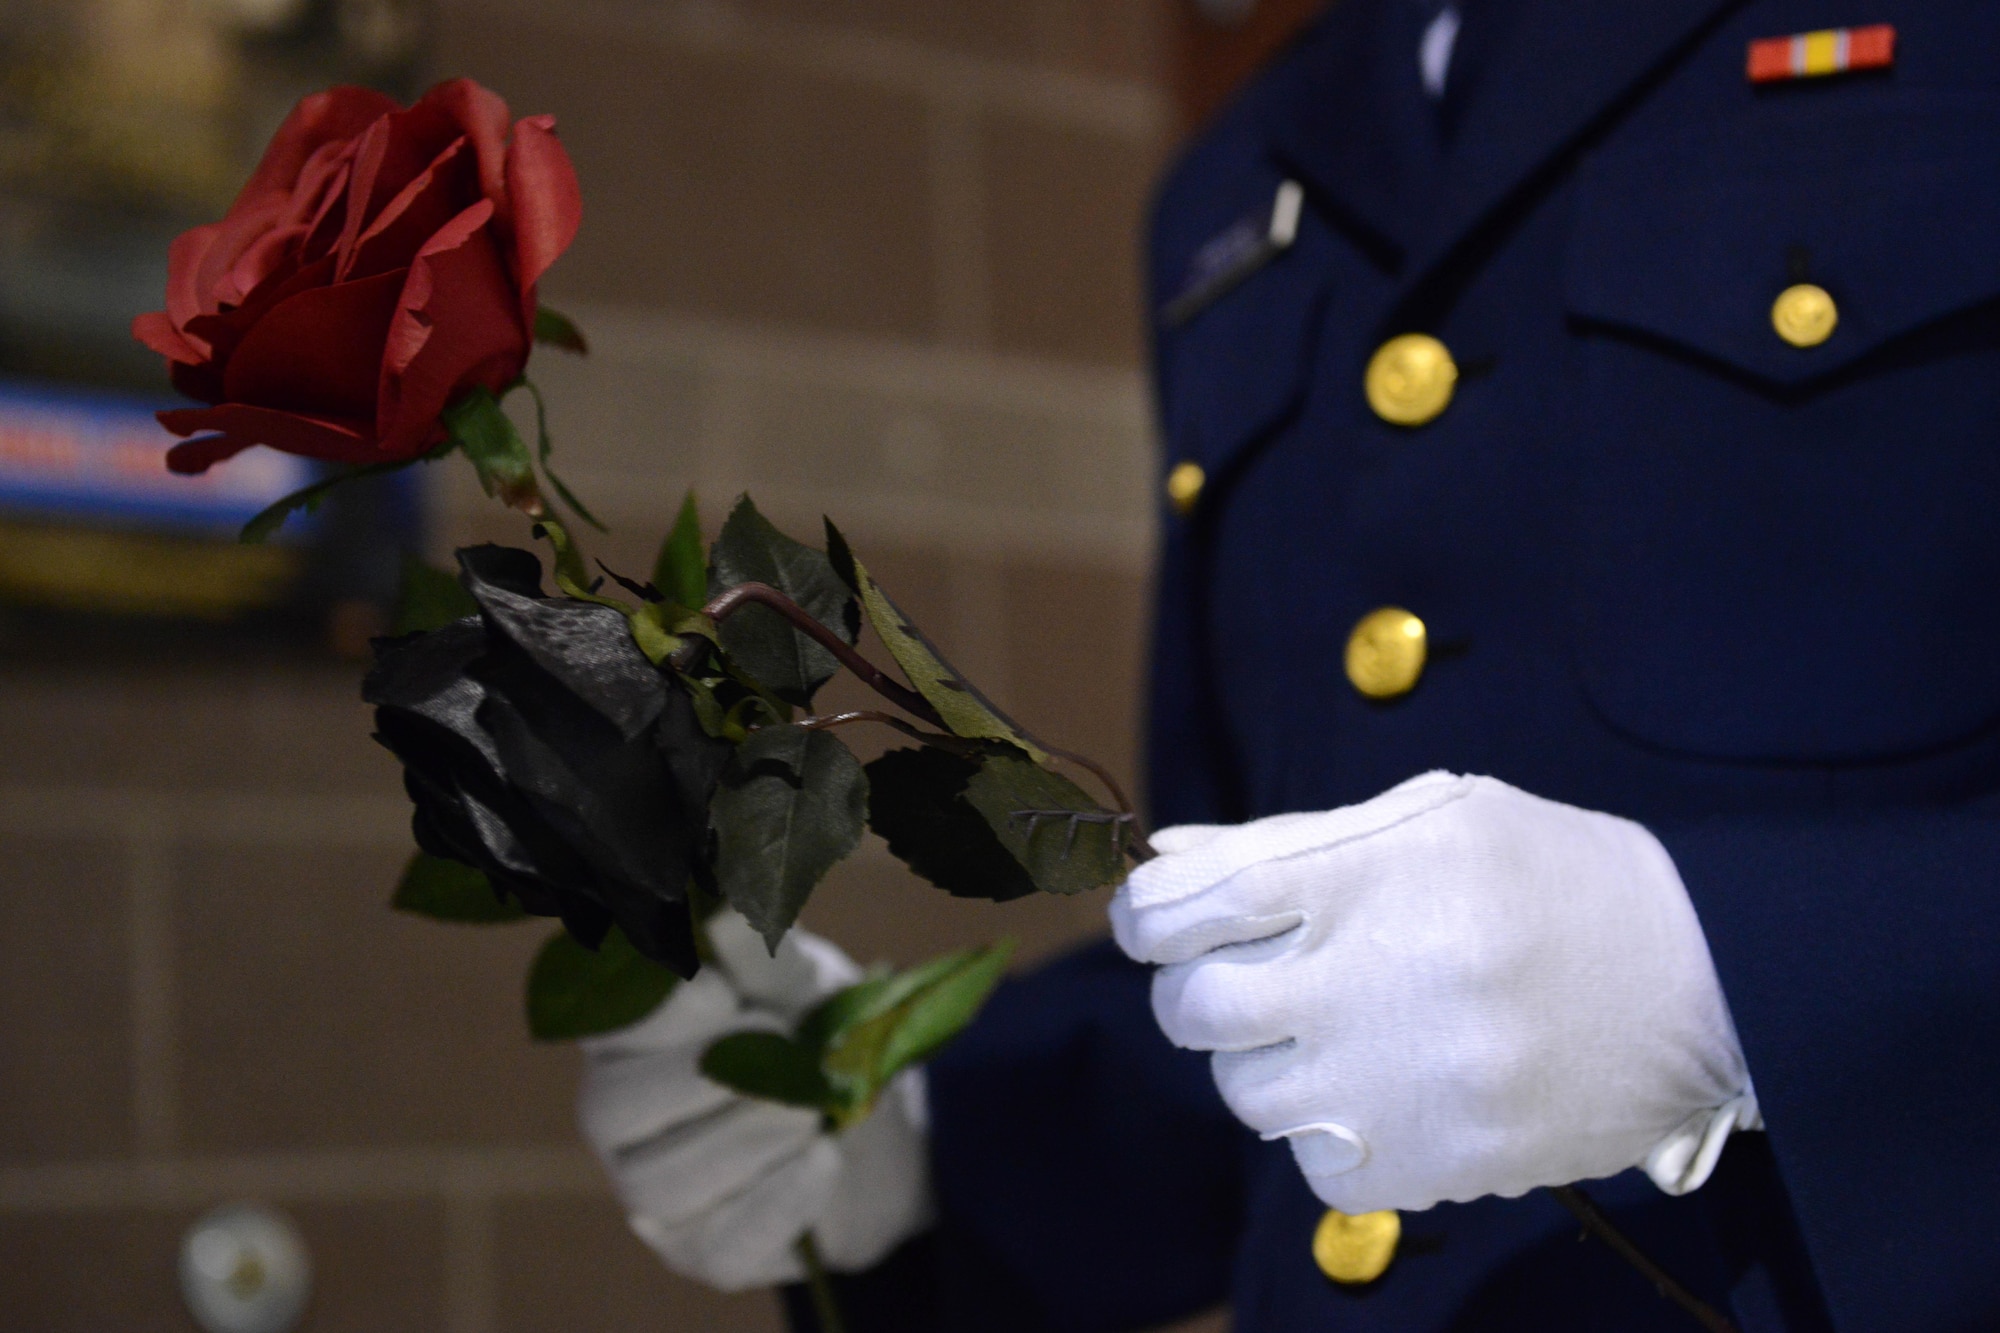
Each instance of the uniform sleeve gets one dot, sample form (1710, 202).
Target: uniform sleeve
(1861, 960)
(1089, 1177)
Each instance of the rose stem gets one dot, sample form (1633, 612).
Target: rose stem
(1596, 1223)
(1138, 845)
(942, 740)
(765, 595)
(821, 1286)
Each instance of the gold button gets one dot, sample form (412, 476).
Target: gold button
(1386, 653)
(1356, 1249)
(1410, 379)
(1804, 315)
(1184, 485)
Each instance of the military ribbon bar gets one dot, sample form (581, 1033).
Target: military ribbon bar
(1811, 55)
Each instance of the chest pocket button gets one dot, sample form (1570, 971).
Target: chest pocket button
(1804, 315)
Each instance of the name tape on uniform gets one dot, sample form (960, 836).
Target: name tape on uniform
(1234, 255)
(1812, 55)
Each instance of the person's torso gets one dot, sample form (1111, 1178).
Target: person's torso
(1668, 563)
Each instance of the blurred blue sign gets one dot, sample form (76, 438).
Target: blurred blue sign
(99, 457)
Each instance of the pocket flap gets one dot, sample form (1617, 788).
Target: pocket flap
(1891, 204)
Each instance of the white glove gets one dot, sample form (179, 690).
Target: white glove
(1453, 990)
(722, 1185)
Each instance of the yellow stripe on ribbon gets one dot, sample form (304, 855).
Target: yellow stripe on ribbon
(1820, 52)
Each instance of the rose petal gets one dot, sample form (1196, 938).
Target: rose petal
(412, 329)
(330, 213)
(320, 180)
(222, 332)
(269, 254)
(233, 235)
(318, 352)
(425, 205)
(482, 114)
(202, 382)
(547, 202)
(326, 117)
(191, 458)
(586, 647)
(459, 325)
(237, 426)
(417, 138)
(158, 332)
(368, 152)
(507, 568)
(313, 162)
(216, 265)
(605, 797)
(184, 261)
(393, 152)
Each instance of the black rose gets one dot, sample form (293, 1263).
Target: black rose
(542, 748)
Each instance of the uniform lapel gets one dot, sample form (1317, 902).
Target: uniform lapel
(1348, 117)
(1562, 68)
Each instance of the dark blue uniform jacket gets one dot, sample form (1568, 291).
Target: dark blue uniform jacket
(1673, 568)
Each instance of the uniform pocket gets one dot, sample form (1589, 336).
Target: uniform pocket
(1889, 205)
(1792, 554)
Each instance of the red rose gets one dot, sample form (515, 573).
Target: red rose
(380, 262)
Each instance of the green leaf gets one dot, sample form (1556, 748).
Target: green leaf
(1066, 842)
(770, 1066)
(785, 661)
(429, 598)
(916, 804)
(966, 712)
(563, 492)
(447, 891)
(829, 1024)
(708, 710)
(901, 986)
(572, 575)
(908, 1019)
(266, 521)
(788, 808)
(650, 632)
(831, 1019)
(479, 425)
(559, 330)
(848, 1048)
(943, 1009)
(681, 572)
(576, 992)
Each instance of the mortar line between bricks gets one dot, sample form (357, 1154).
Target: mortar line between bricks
(237, 818)
(321, 1176)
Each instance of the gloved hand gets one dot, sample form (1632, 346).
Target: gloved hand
(722, 1185)
(1452, 990)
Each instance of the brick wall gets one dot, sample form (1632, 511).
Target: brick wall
(878, 253)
